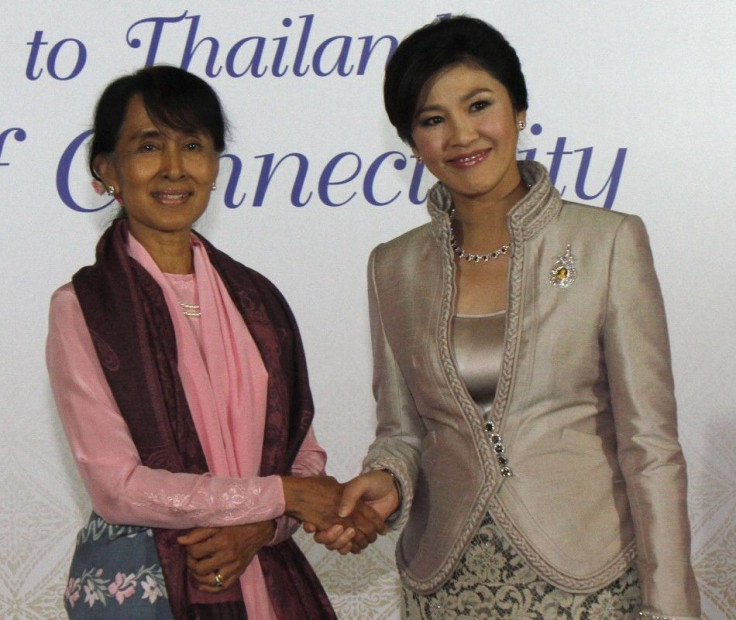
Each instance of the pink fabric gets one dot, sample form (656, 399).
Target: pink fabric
(220, 383)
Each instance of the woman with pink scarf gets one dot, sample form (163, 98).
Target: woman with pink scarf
(181, 383)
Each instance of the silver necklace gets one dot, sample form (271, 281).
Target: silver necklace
(473, 258)
(191, 310)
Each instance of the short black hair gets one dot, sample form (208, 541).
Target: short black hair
(173, 98)
(445, 42)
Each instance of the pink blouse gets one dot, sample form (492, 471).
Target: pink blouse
(121, 489)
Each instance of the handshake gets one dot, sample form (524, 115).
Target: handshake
(343, 517)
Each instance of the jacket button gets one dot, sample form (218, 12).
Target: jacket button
(490, 427)
(506, 472)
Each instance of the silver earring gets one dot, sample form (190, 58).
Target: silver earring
(110, 190)
(418, 158)
(522, 125)
(214, 185)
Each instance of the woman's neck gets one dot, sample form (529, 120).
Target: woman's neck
(480, 224)
(172, 252)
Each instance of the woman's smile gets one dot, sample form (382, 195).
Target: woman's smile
(171, 197)
(471, 159)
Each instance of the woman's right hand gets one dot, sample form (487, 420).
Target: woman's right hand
(375, 488)
(312, 498)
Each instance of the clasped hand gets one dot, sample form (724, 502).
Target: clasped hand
(319, 502)
(372, 494)
(223, 551)
(217, 556)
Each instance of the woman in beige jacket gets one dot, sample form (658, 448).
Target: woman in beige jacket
(527, 434)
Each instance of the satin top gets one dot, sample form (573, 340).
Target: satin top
(478, 348)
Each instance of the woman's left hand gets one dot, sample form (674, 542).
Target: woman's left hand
(225, 551)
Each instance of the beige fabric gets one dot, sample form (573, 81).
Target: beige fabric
(584, 405)
(478, 348)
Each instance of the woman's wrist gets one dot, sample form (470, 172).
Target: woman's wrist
(397, 486)
(289, 486)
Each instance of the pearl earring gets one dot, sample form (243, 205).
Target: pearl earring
(214, 185)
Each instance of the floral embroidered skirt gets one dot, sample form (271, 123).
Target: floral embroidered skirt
(493, 581)
(115, 573)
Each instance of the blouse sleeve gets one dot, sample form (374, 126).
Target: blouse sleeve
(638, 361)
(399, 429)
(121, 488)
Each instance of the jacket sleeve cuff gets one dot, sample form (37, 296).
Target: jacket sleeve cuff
(400, 474)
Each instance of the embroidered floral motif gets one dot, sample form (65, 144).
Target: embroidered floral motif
(146, 584)
(92, 592)
(152, 589)
(72, 591)
(123, 587)
(105, 582)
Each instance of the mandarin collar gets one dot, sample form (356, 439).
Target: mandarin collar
(526, 218)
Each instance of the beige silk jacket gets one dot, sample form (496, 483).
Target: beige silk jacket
(584, 410)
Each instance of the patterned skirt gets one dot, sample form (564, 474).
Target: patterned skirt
(493, 581)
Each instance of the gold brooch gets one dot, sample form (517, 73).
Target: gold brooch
(563, 272)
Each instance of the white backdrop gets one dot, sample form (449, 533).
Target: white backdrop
(644, 92)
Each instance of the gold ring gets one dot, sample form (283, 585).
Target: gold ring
(219, 583)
